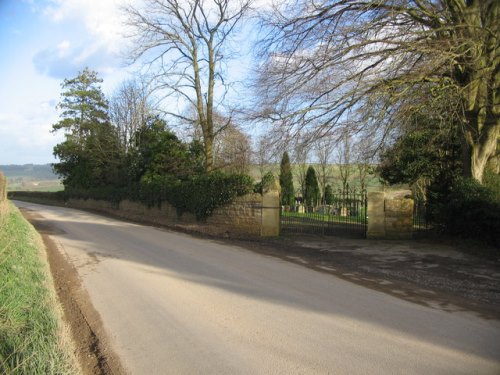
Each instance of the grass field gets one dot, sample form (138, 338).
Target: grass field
(315, 216)
(31, 177)
(32, 340)
(30, 184)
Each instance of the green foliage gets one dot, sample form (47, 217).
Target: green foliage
(157, 167)
(29, 327)
(312, 192)
(329, 197)
(470, 210)
(491, 180)
(286, 181)
(84, 105)
(91, 154)
(201, 195)
(158, 151)
(266, 181)
(424, 152)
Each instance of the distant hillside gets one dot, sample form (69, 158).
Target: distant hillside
(37, 177)
(36, 171)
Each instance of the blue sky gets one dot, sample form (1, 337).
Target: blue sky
(41, 43)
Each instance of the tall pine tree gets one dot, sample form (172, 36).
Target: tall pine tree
(90, 155)
(312, 193)
(286, 181)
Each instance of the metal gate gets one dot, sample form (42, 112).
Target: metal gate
(345, 216)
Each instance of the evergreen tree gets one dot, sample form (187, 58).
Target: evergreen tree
(312, 193)
(158, 154)
(286, 181)
(328, 196)
(90, 155)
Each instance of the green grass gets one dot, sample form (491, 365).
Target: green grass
(30, 184)
(325, 217)
(31, 337)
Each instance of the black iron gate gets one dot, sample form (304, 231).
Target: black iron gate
(345, 216)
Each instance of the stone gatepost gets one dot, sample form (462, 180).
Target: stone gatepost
(399, 215)
(270, 224)
(376, 215)
(390, 215)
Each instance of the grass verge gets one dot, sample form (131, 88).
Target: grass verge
(32, 339)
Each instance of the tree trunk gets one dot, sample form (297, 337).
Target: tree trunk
(477, 153)
(209, 156)
(483, 128)
(480, 80)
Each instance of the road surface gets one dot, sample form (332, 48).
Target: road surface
(174, 304)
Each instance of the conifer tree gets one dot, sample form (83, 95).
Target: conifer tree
(286, 181)
(90, 155)
(312, 193)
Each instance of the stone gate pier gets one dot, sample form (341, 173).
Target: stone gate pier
(390, 215)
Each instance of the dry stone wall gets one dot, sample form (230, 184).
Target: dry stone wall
(249, 215)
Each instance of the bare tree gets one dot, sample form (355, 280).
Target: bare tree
(364, 153)
(344, 160)
(185, 44)
(129, 108)
(263, 155)
(301, 159)
(373, 62)
(323, 149)
(232, 150)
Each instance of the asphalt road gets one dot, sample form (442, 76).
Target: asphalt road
(174, 304)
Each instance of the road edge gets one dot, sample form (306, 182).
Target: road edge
(94, 352)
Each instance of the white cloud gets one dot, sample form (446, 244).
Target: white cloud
(93, 37)
(102, 19)
(63, 46)
(26, 137)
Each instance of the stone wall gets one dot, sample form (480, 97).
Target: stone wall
(390, 215)
(243, 216)
(249, 215)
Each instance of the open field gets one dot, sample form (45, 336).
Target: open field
(31, 177)
(29, 184)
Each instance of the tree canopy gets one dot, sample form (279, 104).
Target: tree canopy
(90, 154)
(185, 45)
(367, 65)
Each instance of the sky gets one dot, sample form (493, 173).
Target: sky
(42, 42)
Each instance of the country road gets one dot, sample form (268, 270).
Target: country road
(174, 304)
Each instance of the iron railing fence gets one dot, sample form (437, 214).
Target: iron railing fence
(422, 224)
(345, 216)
